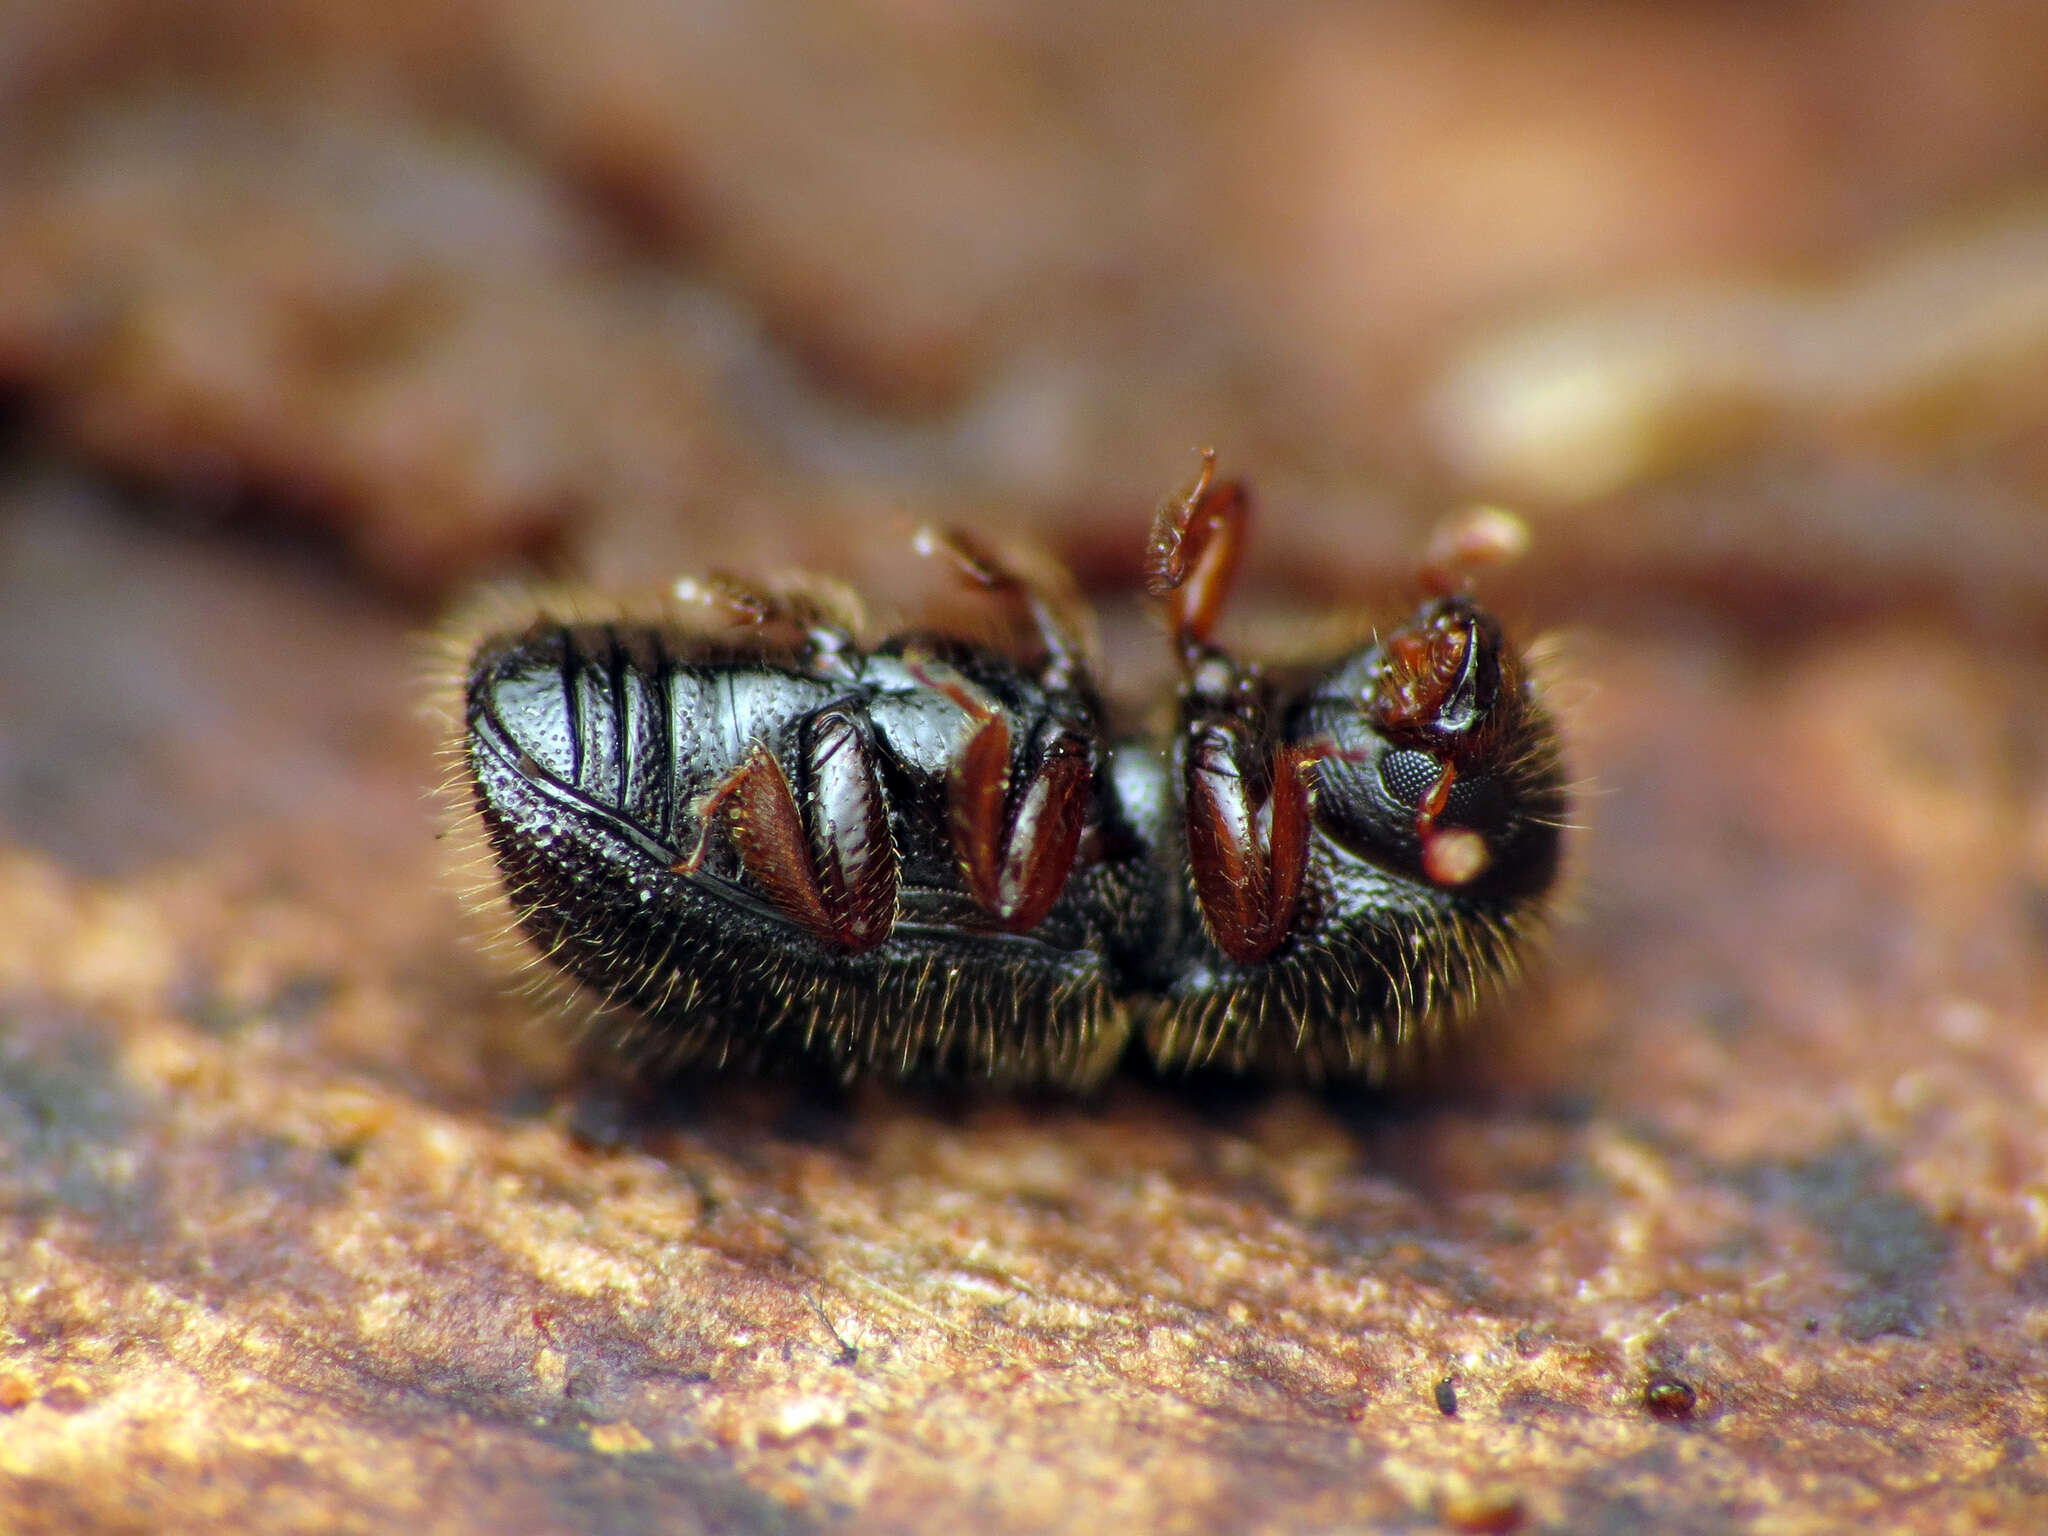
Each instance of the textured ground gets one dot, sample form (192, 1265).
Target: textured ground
(1737, 1222)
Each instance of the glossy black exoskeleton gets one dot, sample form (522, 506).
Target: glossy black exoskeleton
(766, 840)
(762, 838)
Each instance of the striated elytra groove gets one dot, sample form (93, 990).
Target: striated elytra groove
(749, 844)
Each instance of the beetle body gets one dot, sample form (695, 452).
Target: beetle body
(847, 933)
(768, 838)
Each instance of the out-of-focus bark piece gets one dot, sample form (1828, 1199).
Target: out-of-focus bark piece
(423, 347)
(1597, 399)
(1092, 247)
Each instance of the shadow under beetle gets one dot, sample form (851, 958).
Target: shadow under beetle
(753, 836)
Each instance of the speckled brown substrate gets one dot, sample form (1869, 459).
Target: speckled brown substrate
(1736, 1225)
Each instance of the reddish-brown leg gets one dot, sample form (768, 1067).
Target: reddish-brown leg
(801, 600)
(1197, 541)
(1450, 855)
(1247, 852)
(851, 851)
(836, 876)
(1037, 849)
(1468, 542)
(738, 602)
(824, 615)
(1015, 865)
(1445, 687)
(1055, 614)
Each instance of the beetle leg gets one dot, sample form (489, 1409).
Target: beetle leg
(1448, 685)
(829, 865)
(1468, 542)
(1197, 542)
(1247, 850)
(1016, 862)
(1059, 620)
(1043, 835)
(801, 599)
(827, 613)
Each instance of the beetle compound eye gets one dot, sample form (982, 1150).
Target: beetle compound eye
(779, 837)
(1409, 775)
(1474, 800)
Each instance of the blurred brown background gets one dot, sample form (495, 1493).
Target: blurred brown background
(314, 315)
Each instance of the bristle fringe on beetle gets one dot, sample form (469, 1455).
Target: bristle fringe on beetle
(757, 838)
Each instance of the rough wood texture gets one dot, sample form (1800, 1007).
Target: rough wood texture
(1738, 1221)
